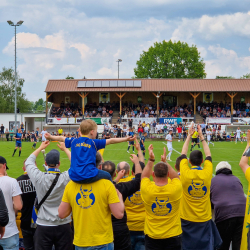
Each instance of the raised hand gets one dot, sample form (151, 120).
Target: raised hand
(150, 152)
(47, 136)
(131, 138)
(44, 145)
(137, 145)
(134, 158)
(191, 129)
(164, 156)
(61, 145)
(199, 130)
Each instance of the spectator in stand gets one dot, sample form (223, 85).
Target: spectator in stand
(51, 230)
(229, 201)
(161, 199)
(11, 131)
(140, 131)
(199, 231)
(79, 199)
(11, 191)
(4, 215)
(28, 197)
(179, 130)
(2, 131)
(7, 134)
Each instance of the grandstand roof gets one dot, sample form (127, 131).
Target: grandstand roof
(149, 85)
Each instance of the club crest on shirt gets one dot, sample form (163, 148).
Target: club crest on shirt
(136, 198)
(161, 207)
(85, 198)
(197, 189)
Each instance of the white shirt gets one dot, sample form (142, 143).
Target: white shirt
(146, 128)
(169, 139)
(209, 133)
(238, 131)
(158, 127)
(43, 133)
(10, 189)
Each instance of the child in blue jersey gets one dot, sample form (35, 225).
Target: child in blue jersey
(131, 133)
(83, 152)
(18, 139)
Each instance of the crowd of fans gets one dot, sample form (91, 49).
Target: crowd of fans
(223, 110)
(124, 211)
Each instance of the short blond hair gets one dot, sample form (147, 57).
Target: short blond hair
(87, 125)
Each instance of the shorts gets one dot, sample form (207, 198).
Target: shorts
(170, 149)
(131, 143)
(195, 140)
(18, 144)
(142, 148)
(2, 132)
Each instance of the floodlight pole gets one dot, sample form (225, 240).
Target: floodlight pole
(15, 25)
(15, 87)
(119, 60)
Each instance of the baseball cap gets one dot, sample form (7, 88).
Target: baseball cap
(53, 157)
(3, 161)
(223, 164)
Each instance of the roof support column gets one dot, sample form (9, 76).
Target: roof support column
(121, 96)
(232, 102)
(157, 99)
(194, 96)
(83, 96)
(47, 97)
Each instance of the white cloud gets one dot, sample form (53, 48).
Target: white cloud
(105, 72)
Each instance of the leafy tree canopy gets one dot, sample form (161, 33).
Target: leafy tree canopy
(69, 77)
(7, 93)
(170, 60)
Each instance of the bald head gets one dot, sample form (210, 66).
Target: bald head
(123, 166)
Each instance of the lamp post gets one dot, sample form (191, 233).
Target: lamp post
(119, 60)
(15, 25)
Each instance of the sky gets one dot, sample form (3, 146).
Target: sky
(85, 38)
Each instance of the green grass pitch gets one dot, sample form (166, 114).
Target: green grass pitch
(222, 151)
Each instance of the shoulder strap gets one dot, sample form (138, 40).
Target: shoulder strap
(49, 192)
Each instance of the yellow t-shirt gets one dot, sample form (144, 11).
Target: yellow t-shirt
(246, 224)
(162, 204)
(91, 212)
(195, 202)
(135, 210)
(60, 131)
(195, 135)
(125, 178)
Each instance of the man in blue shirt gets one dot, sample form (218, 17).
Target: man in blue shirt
(18, 139)
(131, 133)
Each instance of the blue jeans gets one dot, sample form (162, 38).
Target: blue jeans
(109, 246)
(101, 175)
(11, 243)
(179, 135)
(137, 240)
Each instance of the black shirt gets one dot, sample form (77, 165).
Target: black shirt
(4, 215)
(126, 189)
(28, 197)
(2, 128)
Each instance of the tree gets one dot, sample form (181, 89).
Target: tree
(224, 77)
(170, 60)
(69, 77)
(246, 76)
(7, 93)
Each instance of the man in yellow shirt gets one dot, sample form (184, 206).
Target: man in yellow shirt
(161, 199)
(245, 240)
(91, 206)
(195, 140)
(60, 131)
(135, 208)
(199, 231)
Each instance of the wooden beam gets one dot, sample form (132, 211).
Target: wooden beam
(157, 101)
(83, 97)
(194, 96)
(232, 101)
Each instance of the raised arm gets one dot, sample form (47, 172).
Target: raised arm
(61, 145)
(43, 145)
(204, 143)
(135, 160)
(118, 140)
(50, 137)
(147, 171)
(172, 173)
(186, 144)
(244, 159)
(138, 148)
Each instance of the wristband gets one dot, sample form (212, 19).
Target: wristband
(202, 140)
(150, 159)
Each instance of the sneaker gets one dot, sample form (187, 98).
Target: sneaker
(127, 151)
(169, 160)
(134, 152)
